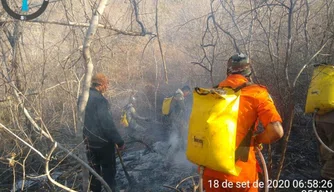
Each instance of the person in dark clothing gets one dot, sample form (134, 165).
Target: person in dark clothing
(188, 102)
(180, 113)
(178, 118)
(101, 135)
(181, 103)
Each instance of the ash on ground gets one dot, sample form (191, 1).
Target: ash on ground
(152, 169)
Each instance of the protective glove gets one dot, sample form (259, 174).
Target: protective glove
(256, 144)
(259, 146)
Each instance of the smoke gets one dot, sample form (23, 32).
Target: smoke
(174, 141)
(180, 160)
(176, 156)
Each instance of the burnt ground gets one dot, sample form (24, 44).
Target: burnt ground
(301, 164)
(302, 158)
(148, 167)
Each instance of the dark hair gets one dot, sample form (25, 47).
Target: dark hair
(185, 88)
(95, 85)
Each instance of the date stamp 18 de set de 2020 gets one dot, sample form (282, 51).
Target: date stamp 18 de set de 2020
(311, 185)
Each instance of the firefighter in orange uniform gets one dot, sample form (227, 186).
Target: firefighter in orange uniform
(255, 105)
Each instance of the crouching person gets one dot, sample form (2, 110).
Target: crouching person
(101, 135)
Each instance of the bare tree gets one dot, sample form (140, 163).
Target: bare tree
(82, 102)
(279, 52)
(46, 66)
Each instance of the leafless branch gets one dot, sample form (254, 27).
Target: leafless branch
(289, 42)
(47, 172)
(60, 147)
(232, 15)
(201, 64)
(151, 38)
(265, 5)
(159, 42)
(308, 63)
(134, 140)
(227, 33)
(185, 179)
(76, 24)
(306, 36)
(194, 19)
(24, 169)
(98, 177)
(37, 93)
(170, 187)
(27, 144)
(14, 178)
(136, 12)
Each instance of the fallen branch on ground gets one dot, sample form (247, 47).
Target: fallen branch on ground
(142, 142)
(170, 187)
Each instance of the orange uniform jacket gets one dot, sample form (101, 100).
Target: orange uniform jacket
(255, 104)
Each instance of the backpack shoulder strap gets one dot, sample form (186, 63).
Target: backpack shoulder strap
(242, 86)
(237, 88)
(242, 151)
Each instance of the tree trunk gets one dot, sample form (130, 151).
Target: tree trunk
(287, 124)
(16, 54)
(86, 85)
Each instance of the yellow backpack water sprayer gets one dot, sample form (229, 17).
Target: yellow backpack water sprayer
(320, 95)
(124, 120)
(212, 131)
(166, 105)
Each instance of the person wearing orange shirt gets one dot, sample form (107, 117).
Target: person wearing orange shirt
(255, 105)
(325, 130)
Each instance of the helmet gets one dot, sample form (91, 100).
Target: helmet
(186, 88)
(239, 64)
(132, 99)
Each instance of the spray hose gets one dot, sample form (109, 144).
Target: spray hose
(263, 162)
(316, 133)
(265, 170)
